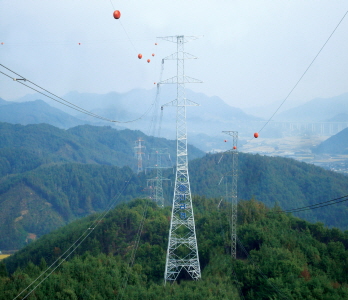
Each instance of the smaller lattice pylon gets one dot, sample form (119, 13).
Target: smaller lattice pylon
(231, 192)
(138, 152)
(154, 185)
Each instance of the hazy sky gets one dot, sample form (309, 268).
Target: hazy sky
(251, 52)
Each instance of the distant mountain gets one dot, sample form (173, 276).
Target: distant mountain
(211, 117)
(337, 144)
(316, 110)
(266, 110)
(3, 102)
(341, 117)
(36, 112)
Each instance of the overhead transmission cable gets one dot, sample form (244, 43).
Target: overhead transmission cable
(314, 206)
(62, 258)
(134, 250)
(304, 73)
(56, 98)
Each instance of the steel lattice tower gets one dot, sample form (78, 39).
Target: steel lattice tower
(156, 192)
(232, 192)
(138, 150)
(182, 252)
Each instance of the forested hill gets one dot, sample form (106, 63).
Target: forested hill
(36, 202)
(275, 181)
(50, 176)
(284, 257)
(33, 203)
(23, 148)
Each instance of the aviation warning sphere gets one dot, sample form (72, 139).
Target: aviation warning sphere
(225, 141)
(153, 54)
(148, 60)
(140, 56)
(256, 135)
(117, 14)
(234, 147)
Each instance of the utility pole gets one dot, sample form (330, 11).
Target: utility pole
(155, 184)
(182, 252)
(138, 151)
(232, 192)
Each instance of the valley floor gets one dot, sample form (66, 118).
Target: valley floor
(298, 148)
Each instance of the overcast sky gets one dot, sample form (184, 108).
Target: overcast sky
(251, 52)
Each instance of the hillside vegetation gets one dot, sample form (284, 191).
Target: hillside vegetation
(83, 144)
(50, 177)
(275, 180)
(289, 258)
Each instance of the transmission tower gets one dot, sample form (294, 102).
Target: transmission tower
(155, 184)
(231, 194)
(138, 151)
(182, 252)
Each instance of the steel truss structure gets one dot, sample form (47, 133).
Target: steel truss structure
(182, 252)
(138, 151)
(154, 185)
(231, 193)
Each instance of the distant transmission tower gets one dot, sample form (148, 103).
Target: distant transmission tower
(138, 151)
(232, 192)
(155, 184)
(182, 252)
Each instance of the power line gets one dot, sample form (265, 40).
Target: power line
(314, 206)
(78, 241)
(304, 73)
(136, 245)
(91, 228)
(56, 98)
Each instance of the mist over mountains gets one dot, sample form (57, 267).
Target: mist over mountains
(334, 109)
(35, 112)
(205, 122)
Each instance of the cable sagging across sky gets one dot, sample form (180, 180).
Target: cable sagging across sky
(305, 72)
(23, 80)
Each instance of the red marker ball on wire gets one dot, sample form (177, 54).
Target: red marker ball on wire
(117, 14)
